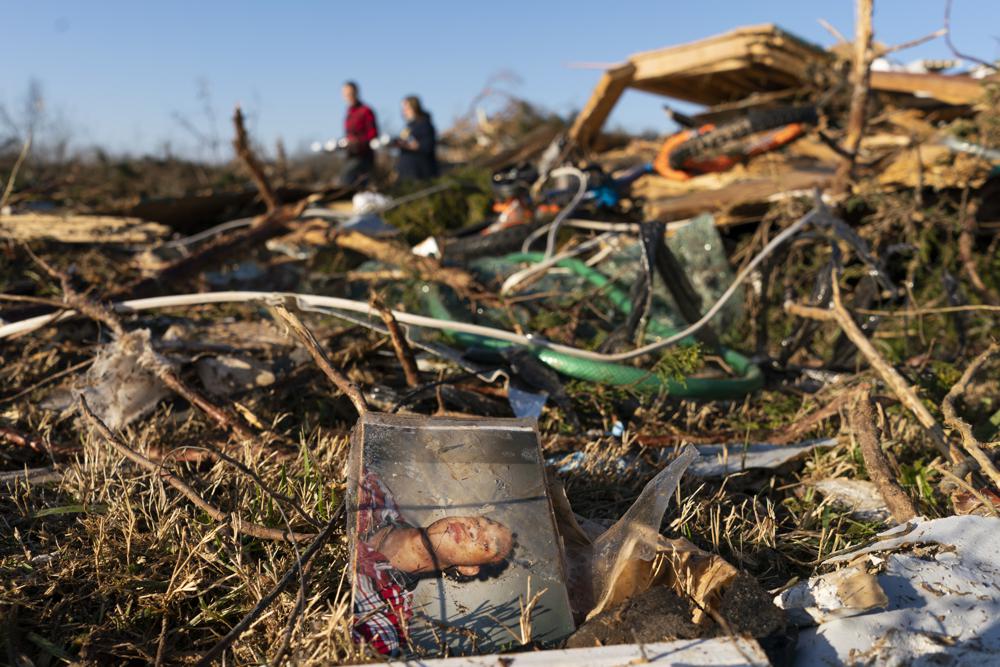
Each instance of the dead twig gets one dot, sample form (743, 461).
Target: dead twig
(49, 379)
(30, 476)
(22, 298)
(240, 526)
(242, 146)
(218, 454)
(398, 255)
(988, 504)
(802, 426)
(264, 227)
(830, 28)
(399, 344)
(862, 420)
(967, 253)
(308, 340)
(21, 157)
(940, 32)
(860, 76)
(951, 45)
(300, 605)
(18, 439)
(227, 420)
(838, 313)
(76, 301)
(919, 312)
(951, 418)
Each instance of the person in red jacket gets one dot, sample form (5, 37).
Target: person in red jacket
(359, 130)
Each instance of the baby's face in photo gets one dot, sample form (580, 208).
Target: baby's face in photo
(468, 542)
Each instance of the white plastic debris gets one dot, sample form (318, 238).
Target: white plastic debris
(713, 461)
(117, 388)
(728, 651)
(941, 579)
(370, 202)
(224, 375)
(722, 460)
(427, 248)
(859, 496)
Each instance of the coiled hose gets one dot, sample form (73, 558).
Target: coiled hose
(750, 378)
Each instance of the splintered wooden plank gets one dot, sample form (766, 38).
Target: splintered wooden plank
(669, 63)
(766, 57)
(740, 43)
(737, 195)
(738, 33)
(942, 87)
(720, 87)
(609, 89)
(72, 228)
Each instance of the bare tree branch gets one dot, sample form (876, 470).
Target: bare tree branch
(837, 313)
(240, 526)
(403, 351)
(860, 76)
(242, 145)
(862, 420)
(951, 418)
(308, 340)
(22, 156)
(951, 44)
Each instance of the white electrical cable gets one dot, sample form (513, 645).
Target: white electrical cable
(517, 278)
(553, 227)
(330, 304)
(601, 225)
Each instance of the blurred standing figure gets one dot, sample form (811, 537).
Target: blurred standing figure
(417, 143)
(359, 130)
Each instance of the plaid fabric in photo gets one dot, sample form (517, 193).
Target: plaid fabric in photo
(382, 602)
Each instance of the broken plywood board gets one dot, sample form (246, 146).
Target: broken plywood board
(71, 228)
(740, 200)
(766, 48)
(719, 69)
(950, 89)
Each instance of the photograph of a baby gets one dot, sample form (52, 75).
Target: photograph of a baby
(452, 533)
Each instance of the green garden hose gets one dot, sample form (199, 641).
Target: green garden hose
(750, 377)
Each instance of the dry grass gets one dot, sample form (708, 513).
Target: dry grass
(109, 564)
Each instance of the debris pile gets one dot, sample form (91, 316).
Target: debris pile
(780, 317)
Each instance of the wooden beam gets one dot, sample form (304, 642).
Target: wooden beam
(606, 94)
(735, 195)
(670, 63)
(944, 88)
(74, 228)
(686, 71)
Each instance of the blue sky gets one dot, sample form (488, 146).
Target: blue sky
(119, 73)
